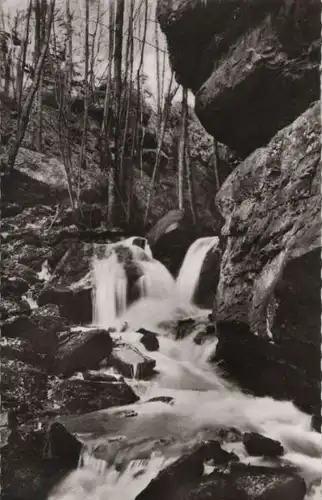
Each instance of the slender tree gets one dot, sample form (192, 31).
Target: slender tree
(166, 110)
(22, 59)
(119, 20)
(182, 146)
(86, 98)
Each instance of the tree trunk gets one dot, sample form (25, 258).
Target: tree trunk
(22, 60)
(167, 104)
(182, 148)
(104, 142)
(216, 161)
(86, 98)
(25, 112)
(118, 89)
(157, 57)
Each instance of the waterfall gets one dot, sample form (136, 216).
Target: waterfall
(110, 290)
(153, 282)
(133, 450)
(189, 273)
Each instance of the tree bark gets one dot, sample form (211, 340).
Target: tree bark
(22, 60)
(182, 148)
(119, 19)
(86, 98)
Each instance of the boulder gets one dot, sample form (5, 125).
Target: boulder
(10, 308)
(98, 376)
(74, 305)
(34, 461)
(247, 62)
(170, 239)
(23, 387)
(184, 328)
(21, 350)
(250, 482)
(186, 472)
(81, 350)
(209, 277)
(257, 445)
(13, 287)
(75, 396)
(270, 483)
(149, 340)
(261, 367)
(131, 363)
(40, 328)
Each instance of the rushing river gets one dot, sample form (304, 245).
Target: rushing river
(125, 447)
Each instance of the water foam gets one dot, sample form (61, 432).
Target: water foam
(203, 401)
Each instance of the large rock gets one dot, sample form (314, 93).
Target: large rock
(250, 483)
(186, 472)
(258, 445)
(263, 368)
(251, 64)
(40, 328)
(23, 387)
(81, 350)
(170, 239)
(131, 362)
(81, 396)
(271, 207)
(33, 462)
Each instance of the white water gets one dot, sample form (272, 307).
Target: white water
(191, 267)
(203, 401)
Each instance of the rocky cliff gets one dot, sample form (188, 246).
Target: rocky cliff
(253, 67)
(252, 64)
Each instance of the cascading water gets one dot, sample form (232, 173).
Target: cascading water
(190, 270)
(120, 460)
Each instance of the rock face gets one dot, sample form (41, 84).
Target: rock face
(271, 206)
(252, 65)
(263, 368)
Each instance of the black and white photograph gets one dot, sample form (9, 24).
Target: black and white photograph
(160, 212)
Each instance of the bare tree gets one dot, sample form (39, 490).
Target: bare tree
(182, 146)
(22, 59)
(216, 161)
(25, 112)
(119, 20)
(166, 110)
(106, 159)
(86, 97)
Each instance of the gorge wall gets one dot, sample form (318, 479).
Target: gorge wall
(253, 67)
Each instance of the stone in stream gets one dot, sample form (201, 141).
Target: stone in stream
(75, 396)
(262, 368)
(163, 399)
(176, 480)
(244, 482)
(184, 328)
(34, 461)
(258, 445)
(149, 339)
(131, 363)
(81, 350)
